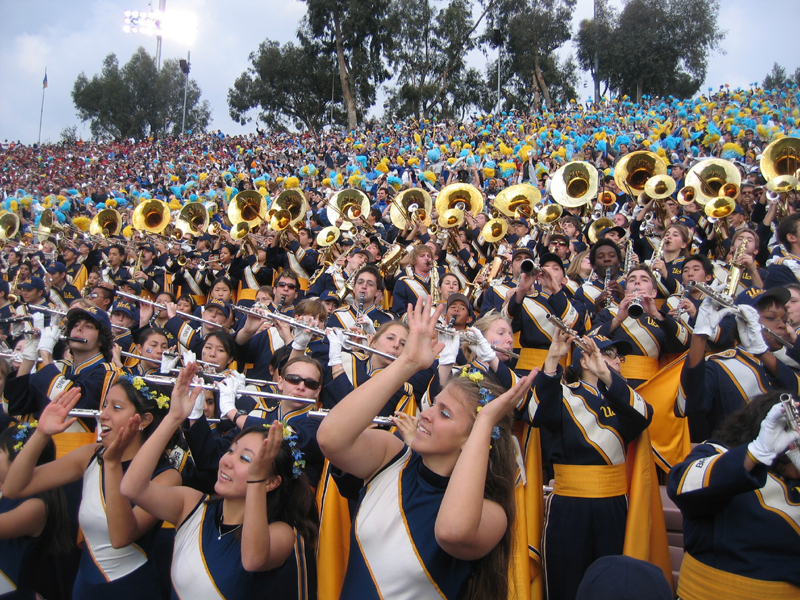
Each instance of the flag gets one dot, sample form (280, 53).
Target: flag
(44, 83)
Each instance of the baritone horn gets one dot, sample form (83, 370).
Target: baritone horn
(151, 216)
(574, 184)
(248, 206)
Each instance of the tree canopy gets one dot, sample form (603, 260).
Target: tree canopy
(137, 100)
(657, 47)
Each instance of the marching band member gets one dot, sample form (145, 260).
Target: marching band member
(490, 332)
(116, 271)
(59, 292)
(650, 333)
(607, 289)
(76, 272)
(452, 534)
(409, 288)
(528, 308)
(258, 535)
(32, 291)
(498, 290)
(592, 417)
(298, 256)
(124, 317)
(117, 562)
(368, 294)
(752, 276)
(696, 269)
(255, 275)
(193, 339)
(785, 269)
(675, 248)
(713, 387)
(151, 274)
(335, 277)
(152, 344)
(740, 503)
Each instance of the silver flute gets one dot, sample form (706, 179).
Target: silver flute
(315, 330)
(85, 413)
(220, 377)
(468, 338)
(167, 381)
(323, 412)
(727, 302)
(163, 307)
(791, 412)
(170, 354)
(569, 331)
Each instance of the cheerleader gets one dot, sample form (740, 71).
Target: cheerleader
(28, 526)
(258, 536)
(592, 420)
(435, 519)
(119, 536)
(738, 494)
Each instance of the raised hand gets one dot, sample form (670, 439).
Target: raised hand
(115, 450)
(422, 346)
(55, 416)
(261, 465)
(498, 408)
(184, 394)
(406, 425)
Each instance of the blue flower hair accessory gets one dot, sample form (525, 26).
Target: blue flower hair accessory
(476, 376)
(139, 385)
(290, 437)
(24, 430)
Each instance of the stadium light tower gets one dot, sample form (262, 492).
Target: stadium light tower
(175, 25)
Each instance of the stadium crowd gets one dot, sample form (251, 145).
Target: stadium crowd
(414, 360)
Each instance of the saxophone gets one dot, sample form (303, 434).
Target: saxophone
(657, 255)
(735, 273)
(436, 296)
(628, 257)
(138, 267)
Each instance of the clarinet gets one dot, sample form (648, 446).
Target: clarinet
(606, 282)
(686, 290)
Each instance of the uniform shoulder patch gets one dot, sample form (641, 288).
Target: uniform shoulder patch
(726, 354)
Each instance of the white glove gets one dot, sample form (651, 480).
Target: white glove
(188, 357)
(301, 339)
(483, 349)
(31, 349)
(335, 343)
(367, 326)
(168, 362)
(227, 393)
(16, 357)
(794, 456)
(773, 439)
(750, 331)
(49, 338)
(38, 321)
(452, 344)
(708, 318)
(197, 409)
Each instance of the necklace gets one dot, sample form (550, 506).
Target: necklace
(228, 528)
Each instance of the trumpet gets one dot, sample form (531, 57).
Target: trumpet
(323, 412)
(791, 412)
(528, 267)
(168, 381)
(162, 307)
(569, 331)
(276, 316)
(727, 302)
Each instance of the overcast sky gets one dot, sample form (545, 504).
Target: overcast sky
(72, 36)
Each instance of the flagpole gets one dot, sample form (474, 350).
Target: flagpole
(41, 112)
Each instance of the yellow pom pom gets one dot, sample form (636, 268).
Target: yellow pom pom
(417, 138)
(81, 223)
(174, 204)
(279, 180)
(400, 161)
(111, 203)
(326, 182)
(291, 183)
(381, 167)
(128, 231)
(15, 206)
(173, 178)
(203, 176)
(487, 172)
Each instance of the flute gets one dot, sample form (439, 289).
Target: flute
(47, 309)
(221, 377)
(167, 381)
(162, 307)
(315, 330)
(63, 338)
(202, 363)
(12, 356)
(85, 413)
(723, 300)
(563, 327)
(323, 412)
(468, 338)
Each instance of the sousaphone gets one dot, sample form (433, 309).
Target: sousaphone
(151, 216)
(574, 184)
(517, 201)
(248, 206)
(712, 178)
(634, 170)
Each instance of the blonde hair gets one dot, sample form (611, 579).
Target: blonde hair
(484, 324)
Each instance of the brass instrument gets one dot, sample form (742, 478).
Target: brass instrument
(348, 204)
(687, 195)
(106, 223)
(248, 206)
(288, 209)
(138, 267)
(192, 220)
(712, 178)
(597, 226)
(778, 187)
(14, 297)
(717, 211)
(349, 284)
(781, 157)
(547, 218)
(528, 267)
(462, 197)
(727, 302)
(410, 207)
(391, 260)
(574, 184)
(569, 331)
(659, 187)
(517, 201)
(657, 255)
(151, 216)
(634, 170)
(436, 295)
(736, 270)
(9, 225)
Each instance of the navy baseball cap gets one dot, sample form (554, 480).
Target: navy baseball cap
(550, 257)
(57, 267)
(623, 347)
(149, 248)
(220, 304)
(32, 283)
(134, 285)
(754, 295)
(4, 287)
(519, 251)
(329, 295)
(124, 306)
(623, 578)
(92, 312)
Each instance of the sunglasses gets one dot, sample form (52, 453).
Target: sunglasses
(311, 384)
(289, 286)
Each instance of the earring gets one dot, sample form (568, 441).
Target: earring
(141, 428)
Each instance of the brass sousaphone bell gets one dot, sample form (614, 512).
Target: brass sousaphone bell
(248, 206)
(459, 197)
(192, 220)
(413, 204)
(597, 227)
(712, 178)
(781, 157)
(107, 223)
(574, 184)
(634, 170)
(719, 207)
(288, 209)
(517, 201)
(9, 225)
(495, 230)
(151, 216)
(348, 204)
